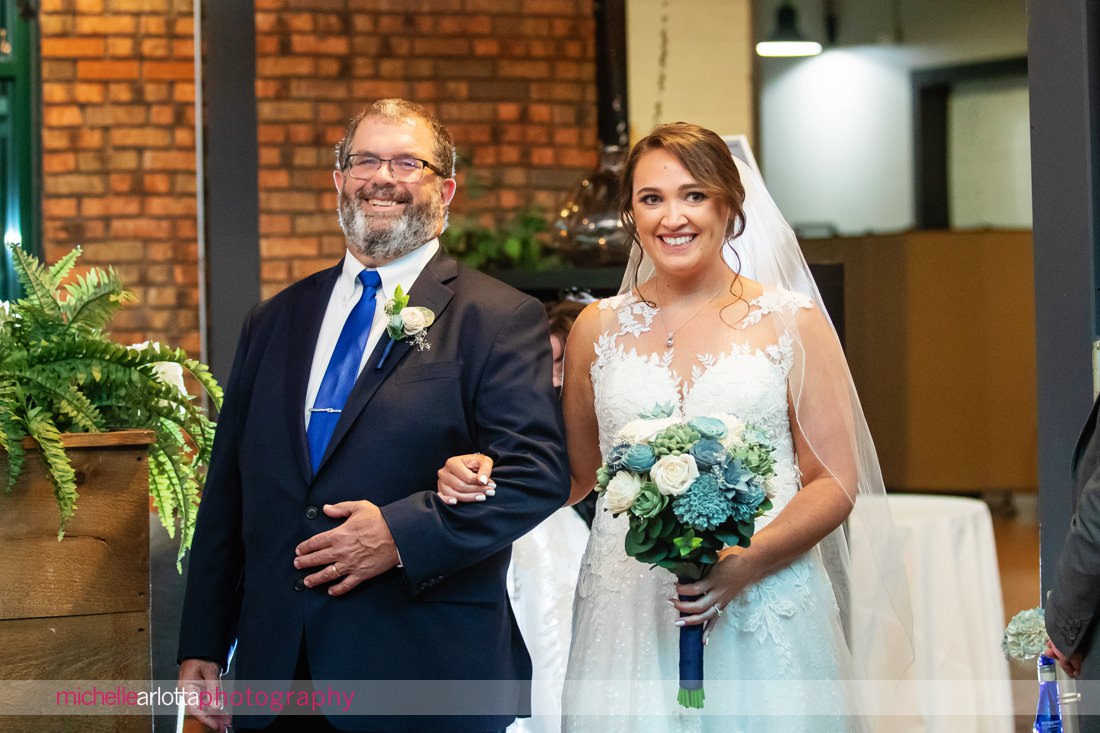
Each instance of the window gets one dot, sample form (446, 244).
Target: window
(18, 135)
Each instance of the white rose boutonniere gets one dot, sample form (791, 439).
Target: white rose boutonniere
(408, 321)
(674, 474)
(621, 491)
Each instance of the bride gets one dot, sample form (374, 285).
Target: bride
(694, 335)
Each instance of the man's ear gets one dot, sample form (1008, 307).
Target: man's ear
(338, 179)
(447, 190)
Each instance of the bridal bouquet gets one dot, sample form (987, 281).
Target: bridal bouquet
(689, 488)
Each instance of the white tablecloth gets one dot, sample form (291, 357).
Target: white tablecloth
(958, 617)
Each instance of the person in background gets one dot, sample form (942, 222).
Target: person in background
(1073, 606)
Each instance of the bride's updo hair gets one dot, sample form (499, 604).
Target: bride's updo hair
(705, 156)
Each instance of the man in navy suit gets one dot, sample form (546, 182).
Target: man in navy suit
(322, 550)
(1073, 607)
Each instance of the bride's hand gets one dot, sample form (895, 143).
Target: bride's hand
(466, 478)
(731, 575)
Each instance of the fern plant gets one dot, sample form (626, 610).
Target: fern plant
(61, 373)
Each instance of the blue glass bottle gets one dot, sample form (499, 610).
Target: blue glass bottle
(1048, 714)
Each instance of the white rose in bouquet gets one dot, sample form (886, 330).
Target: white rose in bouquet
(621, 491)
(644, 428)
(674, 474)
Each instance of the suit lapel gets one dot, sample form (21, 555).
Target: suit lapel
(1086, 434)
(429, 291)
(305, 326)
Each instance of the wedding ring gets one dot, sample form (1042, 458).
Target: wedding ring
(336, 570)
(717, 610)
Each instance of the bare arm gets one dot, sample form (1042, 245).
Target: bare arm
(582, 433)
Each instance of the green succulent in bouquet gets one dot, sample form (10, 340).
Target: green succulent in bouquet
(60, 372)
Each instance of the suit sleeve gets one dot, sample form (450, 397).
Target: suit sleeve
(518, 422)
(213, 597)
(1075, 598)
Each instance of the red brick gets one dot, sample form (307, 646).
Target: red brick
(56, 92)
(55, 207)
(169, 206)
(278, 247)
(106, 25)
(67, 48)
(155, 48)
(156, 183)
(141, 228)
(139, 137)
(123, 182)
(140, 6)
(152, 25)
(106, 70)
(166, 160)
(318, 45)
(110, 206)
(62, 116)
(120, 47)
(180, 70)
(58, 162)
(89, 93)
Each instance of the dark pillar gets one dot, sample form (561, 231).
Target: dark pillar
(230, 159)
(1064, 79)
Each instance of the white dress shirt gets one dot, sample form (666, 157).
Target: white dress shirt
(403, 271)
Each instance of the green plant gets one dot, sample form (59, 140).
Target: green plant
(60, 372)
(518, 243)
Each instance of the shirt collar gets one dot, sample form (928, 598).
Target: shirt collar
(403, 271)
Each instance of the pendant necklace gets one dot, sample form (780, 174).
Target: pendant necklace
(674, 331)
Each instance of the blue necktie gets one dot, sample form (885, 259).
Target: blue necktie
(343, 369)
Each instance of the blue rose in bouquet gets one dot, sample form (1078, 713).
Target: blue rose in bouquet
(689, 489)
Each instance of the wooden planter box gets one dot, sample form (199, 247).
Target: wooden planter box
(77, 609)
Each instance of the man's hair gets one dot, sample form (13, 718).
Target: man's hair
(398, 110)
(561, 315)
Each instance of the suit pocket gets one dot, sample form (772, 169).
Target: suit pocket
(424, 372)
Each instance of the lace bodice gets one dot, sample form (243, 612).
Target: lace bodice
(746, 376)
(624, 656)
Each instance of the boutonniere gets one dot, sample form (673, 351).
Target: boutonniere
(408, 321)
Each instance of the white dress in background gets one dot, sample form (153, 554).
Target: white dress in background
(541, 582)
(623, 667)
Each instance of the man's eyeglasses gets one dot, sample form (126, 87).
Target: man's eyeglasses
(407, 170)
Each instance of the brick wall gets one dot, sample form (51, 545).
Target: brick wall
(513, 79)
(118, 163)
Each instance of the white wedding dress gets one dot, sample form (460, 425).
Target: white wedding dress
(779, 648)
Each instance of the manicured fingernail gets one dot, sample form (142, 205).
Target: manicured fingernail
(479, 497)
(492, 484)
(490, 492)
(451, 500)
(483, 480)
(678, 622)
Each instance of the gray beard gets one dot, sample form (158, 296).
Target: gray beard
(384, 238)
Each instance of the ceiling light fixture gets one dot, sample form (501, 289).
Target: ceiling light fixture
(786, 40)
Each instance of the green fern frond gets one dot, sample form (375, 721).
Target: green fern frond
(58, 271)
(36, 281)
(12, 432)
(40, 426)
(93, 300)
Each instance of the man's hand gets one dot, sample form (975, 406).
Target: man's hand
(1070, 665)
(204, 678)
(359, 549)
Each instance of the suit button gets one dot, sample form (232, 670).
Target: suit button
(311, 512)
(299, 584)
